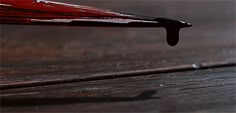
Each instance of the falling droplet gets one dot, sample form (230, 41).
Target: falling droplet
(172, 35)
(172, 29)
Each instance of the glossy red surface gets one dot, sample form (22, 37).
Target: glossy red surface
(43, 12)
(25, 10)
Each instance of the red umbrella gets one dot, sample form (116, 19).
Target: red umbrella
(44, 12)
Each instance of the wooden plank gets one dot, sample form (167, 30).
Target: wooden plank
(35, 54)
(211, 90)
(123, 74)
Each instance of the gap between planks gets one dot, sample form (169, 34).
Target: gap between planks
(105, 76)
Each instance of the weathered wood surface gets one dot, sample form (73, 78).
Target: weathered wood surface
(33, 54)
(211, 90)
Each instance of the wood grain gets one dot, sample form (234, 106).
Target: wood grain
(37, 59)
(124, 74)
(211, 90)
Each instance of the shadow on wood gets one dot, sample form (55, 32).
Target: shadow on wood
(32, 101)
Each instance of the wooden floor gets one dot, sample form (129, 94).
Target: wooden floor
(64, 69)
